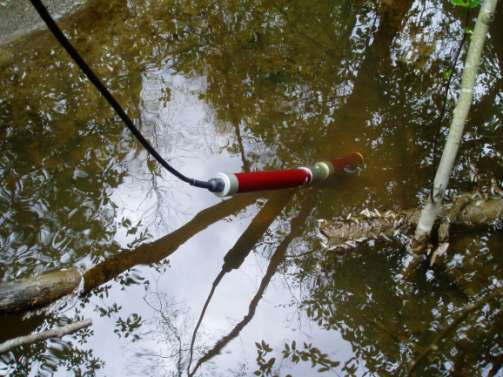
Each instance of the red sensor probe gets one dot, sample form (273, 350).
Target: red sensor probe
(230, 184)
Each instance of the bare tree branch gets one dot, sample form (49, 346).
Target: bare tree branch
(243, 246)
(58, 332)
(277, 258)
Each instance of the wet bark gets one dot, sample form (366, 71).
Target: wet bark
(467, 210)
(33, 293)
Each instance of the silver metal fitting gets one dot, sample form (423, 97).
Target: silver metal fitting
(231, 184)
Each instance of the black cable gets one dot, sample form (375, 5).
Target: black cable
(212, 185)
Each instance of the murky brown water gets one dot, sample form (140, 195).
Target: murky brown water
(230, 86)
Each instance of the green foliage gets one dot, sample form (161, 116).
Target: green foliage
(447, 74)
(311, 354)
(265, 365)
(466, 3)
(291, 352)
(129, 326)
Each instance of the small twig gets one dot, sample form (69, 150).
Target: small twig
(201, 316)
(434, 345)
(58, 332)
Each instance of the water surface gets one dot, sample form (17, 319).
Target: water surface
(233, 86)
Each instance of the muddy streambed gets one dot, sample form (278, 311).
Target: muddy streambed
(233, 86)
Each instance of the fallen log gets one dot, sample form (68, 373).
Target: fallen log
(58, 332)
(466, 210)
(469, 210)
(33, 293)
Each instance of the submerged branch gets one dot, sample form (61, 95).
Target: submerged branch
(39, 291)
(58, 332)
(466, 210)
(162, 248)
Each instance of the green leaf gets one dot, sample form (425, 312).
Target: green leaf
(152, 167)
(446, 74)
(466, 3)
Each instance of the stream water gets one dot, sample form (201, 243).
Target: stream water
(240, 86)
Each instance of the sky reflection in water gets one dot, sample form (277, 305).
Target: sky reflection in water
(229, 87)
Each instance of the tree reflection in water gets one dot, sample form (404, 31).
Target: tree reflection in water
(289, 83)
